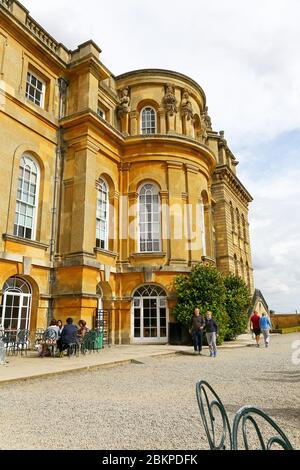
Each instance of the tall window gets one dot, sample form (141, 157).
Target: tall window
(236, 267)
(102, 215)
(149, 219)
(27, 199)
(238, 222)
(35, 89)
(203, 238)
(16, 305)
(242, 270)
(150, 315)
(248, 275)
(244, 228)
(148, 121)
(232, 217)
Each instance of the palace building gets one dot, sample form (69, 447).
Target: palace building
(111, 187)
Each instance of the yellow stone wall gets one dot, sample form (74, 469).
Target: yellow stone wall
(188, 162)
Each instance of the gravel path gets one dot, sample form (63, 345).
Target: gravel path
(150, 405)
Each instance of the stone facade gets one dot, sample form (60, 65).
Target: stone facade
(143, 134)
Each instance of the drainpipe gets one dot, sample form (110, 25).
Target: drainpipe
(63, 85)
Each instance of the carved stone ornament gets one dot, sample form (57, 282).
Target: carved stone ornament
(170, 101)
(207, 119)
(124, 105)
(203, 130)
(186, 105)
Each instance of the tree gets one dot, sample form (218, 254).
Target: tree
(203, 288)
(237, 304)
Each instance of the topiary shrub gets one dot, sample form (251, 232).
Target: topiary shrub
(203, 288)
(237, 303)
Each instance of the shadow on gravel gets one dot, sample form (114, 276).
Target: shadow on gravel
(284, 377)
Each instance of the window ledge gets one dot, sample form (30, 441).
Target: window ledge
(112, 254)
(24, 241)
(153, 254)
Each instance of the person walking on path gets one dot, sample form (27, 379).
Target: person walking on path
(255, 326)
(197, 331)
(211, 329)
(265, 326)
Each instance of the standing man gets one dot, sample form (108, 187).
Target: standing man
(197, 331)
(211, 334)
(255, 326)
(265, 326)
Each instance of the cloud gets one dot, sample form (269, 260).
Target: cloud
(272, 173)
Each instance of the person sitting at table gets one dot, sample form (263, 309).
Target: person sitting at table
(60, 326)
(69, 336)
(83, 330)
(49, 339)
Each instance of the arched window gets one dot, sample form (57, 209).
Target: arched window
(16, 305)
(236, 267)
(149, 219)
(248, 275)
(244, 228)
(232, 217)
(102, 217)
(238, 221)
(242, 270)
(148, 121)
(150, 314)
(27, 199)
(203, 227)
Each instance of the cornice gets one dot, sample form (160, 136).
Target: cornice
(224, 175)
(159, 75)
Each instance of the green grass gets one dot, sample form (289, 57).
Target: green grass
(284, 331)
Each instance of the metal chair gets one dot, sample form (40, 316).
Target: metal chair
(73, 349)
(247, 416)
(9, 340)
(211, 408)
(22, 341)
(49, 342)
(219, 433)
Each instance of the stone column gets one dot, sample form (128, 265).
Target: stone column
(83, 230)
(123, 212)
(134, 124)
(133, 232)
(165, 222)
(171, 120)
(193, 214)
(161, 115)
(114, 197)
(178, 244)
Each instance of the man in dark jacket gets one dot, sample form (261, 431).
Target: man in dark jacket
(211, 329)
(68, 336)
(197, 331)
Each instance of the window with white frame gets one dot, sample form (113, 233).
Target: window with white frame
(16, 305)
(149, 219)
(35, 89)
(148, 121)
(27, 198)
(102, 215)
(203, 236)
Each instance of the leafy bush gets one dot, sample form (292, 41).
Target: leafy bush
(203, 288)
(237, 304)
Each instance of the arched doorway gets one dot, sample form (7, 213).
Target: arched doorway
(16, 304)
(150, 315)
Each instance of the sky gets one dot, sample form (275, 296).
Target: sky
(246, 57)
